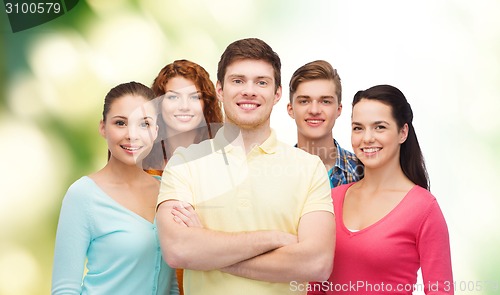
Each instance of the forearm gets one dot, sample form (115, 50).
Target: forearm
(204, 249)
(286, 264)
(311, 259)
(71, 246)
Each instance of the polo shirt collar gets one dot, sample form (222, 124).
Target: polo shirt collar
(221, 144)
(269, 146)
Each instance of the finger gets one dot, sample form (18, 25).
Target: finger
(184, 219)
(188, 207)
(179, 221)
(181, 216)
(184, 209)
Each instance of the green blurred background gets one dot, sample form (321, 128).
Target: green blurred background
(444, 55)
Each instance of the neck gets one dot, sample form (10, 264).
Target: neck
(390, 176)
(323, 147)
(247, 138)
(122, 172)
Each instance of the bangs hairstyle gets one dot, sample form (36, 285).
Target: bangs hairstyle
(316, 70)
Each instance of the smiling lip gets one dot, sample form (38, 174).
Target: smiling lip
(131, 149)
(314, 122)
(370, 151)
(184, 118)
(248, 106)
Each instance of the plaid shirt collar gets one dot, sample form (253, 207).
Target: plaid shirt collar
(347, 169)
(344, 170)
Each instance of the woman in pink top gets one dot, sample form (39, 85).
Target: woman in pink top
(388, 224)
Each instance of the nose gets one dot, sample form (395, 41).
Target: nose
(368, 136)
(132, 133)
(248, 89)
(314, 108)
(184, 103)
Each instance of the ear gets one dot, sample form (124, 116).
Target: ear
(403, 133)
(102, 130)
(219, 91)
(339, 110)
(277, 95)
(289, 109)
(155, 135)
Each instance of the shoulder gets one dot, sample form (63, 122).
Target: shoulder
(340, 191)
(422, 203)
(81, 187)
(291, 151)
(420, 196)
(79, 195)
(300, 160)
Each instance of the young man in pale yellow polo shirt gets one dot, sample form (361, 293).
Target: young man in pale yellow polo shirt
(263, 218)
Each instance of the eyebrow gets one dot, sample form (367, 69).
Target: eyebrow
(322, 96)
(374, 123)
(126, 118)
(176, 92)
(244, 76)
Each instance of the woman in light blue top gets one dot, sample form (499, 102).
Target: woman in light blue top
(107, 240)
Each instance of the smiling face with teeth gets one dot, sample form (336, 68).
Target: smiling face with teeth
(129, 129)
(249, 93)
(376, 138)
(315, 108)
(182, 106)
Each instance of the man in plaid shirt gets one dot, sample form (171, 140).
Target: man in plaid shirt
(315, 104)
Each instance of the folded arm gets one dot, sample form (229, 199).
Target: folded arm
(311, 259)
(203, 249)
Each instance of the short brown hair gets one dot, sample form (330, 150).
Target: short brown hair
(316, 70)
(250, 48)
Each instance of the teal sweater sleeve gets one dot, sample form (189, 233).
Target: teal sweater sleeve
(119, 249)
(72, 241)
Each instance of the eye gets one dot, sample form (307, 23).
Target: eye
(303, 101)
(171, 96)
(120, 123)
(379, 127)
(195, 97)
(238, 81)
(145, 124)
(327, 101)
(262, 83)
(356, 128)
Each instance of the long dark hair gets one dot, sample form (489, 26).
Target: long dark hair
(410, 157)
